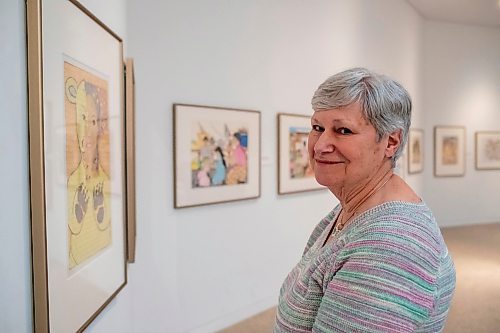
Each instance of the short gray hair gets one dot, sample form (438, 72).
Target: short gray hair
(386, 105)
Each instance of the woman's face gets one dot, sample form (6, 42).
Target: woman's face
(343, 147)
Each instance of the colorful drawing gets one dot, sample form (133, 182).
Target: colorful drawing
(87, 164)
(299, 156)
(450, 150)
(218, 155)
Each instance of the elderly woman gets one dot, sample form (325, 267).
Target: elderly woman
(377, 262)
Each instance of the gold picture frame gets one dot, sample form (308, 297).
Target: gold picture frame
(77, 166)
(487, 150)
(216, 155)
(449, 151)
(294, 171)
(130, 157)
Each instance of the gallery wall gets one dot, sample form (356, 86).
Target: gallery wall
(15, 257)
(203, 268)
(462, 85)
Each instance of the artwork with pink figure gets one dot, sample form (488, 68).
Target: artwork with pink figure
(219, 155)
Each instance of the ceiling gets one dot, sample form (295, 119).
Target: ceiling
(476, 12)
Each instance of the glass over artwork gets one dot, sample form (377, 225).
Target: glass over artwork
(87, 164)
(78, 178)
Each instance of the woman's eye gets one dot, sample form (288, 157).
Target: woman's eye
(318, 128)
(344, 131)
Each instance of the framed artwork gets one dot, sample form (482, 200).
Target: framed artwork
(294, 172)
(77, 177)
(449, 151)
(488, 150)
(415, 151)
(130, 156)
(216, 155)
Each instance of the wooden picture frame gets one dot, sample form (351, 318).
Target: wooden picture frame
(487, 150)
(77, 173)
(216, 155)
(415, 151)
(294, 171)
(449, 151)
(130, 156)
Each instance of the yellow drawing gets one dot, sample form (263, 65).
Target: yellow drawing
(87, 164)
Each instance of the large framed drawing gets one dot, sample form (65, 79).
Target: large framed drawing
(449, 151)
(216, 155)
(488, 150)
(77, 178)
(294, 171)
(130, 156)
(415, 151)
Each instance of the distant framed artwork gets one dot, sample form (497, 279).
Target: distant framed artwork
(77, 166)
(415, 151)
(294, 171)
(216, 155)
(130, 156)
(449, 151)
(488, 150)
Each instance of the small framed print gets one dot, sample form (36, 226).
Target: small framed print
(216, 155)
(415, 151)
(294, 171)
(449, 151)
(488, 150)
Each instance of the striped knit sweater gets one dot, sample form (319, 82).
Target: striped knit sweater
(388, 270)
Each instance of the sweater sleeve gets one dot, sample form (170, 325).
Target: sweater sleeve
(383, 281)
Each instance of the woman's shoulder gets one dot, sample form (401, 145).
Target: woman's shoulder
(407, 223)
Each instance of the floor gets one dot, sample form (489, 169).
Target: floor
(476, 304)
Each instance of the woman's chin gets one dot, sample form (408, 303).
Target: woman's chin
(322, 180)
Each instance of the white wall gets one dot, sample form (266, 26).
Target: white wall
(15, 260)
(462, 87)
(200, 269)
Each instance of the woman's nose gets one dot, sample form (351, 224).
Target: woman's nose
(324, 144)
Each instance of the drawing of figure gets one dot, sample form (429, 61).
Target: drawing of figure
(237, 170)
(88, 186)
(220, 168)
(202, 175)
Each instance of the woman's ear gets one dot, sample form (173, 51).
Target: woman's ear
(393, 143)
